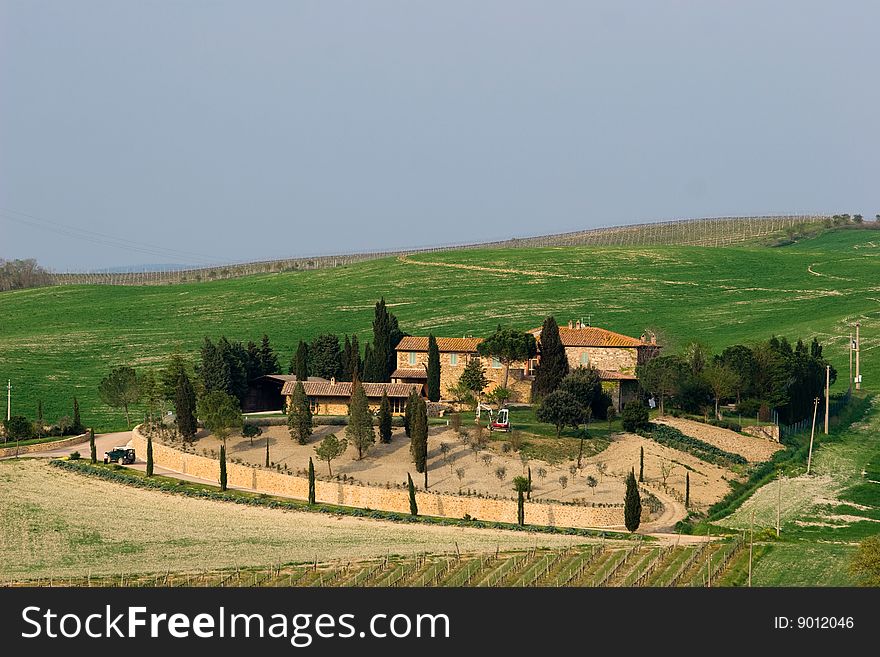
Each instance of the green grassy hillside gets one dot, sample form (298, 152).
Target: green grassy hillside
(58, 342)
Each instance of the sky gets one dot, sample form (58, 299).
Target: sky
(155, 131)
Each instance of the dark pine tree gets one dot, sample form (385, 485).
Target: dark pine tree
(553, 366)
(632, 503)
(222, 467)
(235, 356)
(419, 437)
(325, 357)
(311, 481)
(77, 427)
(252, 361)
(149, 456)
(213, 369)
(385, 419)
(185, 406)
(299, 365)
(433, 369)
(268, 359)
(413, 507)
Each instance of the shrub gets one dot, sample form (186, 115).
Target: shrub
(74, 456)
(18, 427)
(748, 407)
(251, 430)
(634, 416)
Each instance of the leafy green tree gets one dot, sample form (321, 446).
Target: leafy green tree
(584, 384)
(325, 357)
(149, 455)
(460, 394)
(419, 437)
(299, 415)
(508, 346)
(553, 366)
(18, 427)
(561, 409)
(151, 393)
(634, 416)
(865, 562)
(330, 448)
(474, 376)
(219, 412)
(521, 486)
(93, 455)
(433, 369)
(385, 419)
(174, 368)
(499, 396)
(267, 358)
(662, 376)
(213, 369)
(77, 426)
(222, 461)
(413, 507)
(299, 365)
(360, 422)
(311, 479)
(632, 504)
(740, 359)
(121, 389)
(185, 406)
(722, 380)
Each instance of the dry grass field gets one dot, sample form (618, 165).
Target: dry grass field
(59, 524)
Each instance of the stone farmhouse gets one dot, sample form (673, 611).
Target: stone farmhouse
(613, 354)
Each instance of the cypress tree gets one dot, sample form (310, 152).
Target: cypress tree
(311, 481)
(149, 456)
(299, 415)
(40, 422)
(92, 449)
(687, 489)
(632, 504)
(185, 406)
(419, 435)
(413, 507)
(379, 361)
(356, 365)
(235, 356)
(641, 463)
(554, 363)
(299, 365)
(529, 491)
(360, 422)
(267, 358)
(346, 359)
(433, 369)
(252, 362)
(408, 413)
(521, 486)
(222, 468)
(325, 357)
(77, 426)
(267, 451)
(385, 419)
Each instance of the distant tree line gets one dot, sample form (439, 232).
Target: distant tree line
(22, 274)
(770, 375)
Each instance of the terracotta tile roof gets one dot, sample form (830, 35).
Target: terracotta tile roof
(284, 378)
(343, 389)
(611, 375)
(593, 336)
(410, 373)
(462, 345)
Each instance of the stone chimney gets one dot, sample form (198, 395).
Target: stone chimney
(570, 324)
(332, 380)
(578, 325)
(653, 339)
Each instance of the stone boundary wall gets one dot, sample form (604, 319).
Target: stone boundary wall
(383, 499)
(768, 431)
(43, 447)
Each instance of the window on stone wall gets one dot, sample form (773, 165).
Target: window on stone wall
(398, 404)
(533, 364)
(412, 358)
(313, 405)
(585, 358)
(496, 364)
(453, 359)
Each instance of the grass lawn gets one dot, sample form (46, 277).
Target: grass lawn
(59, 342)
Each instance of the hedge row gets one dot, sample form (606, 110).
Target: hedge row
(120, 475)
(672, 437)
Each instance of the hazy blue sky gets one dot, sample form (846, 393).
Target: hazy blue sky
(248, 130)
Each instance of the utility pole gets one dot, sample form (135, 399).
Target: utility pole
(858, 349)
(8, 400)
(778, 499)
(812, 433)
(850, 359)
(751, 543)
